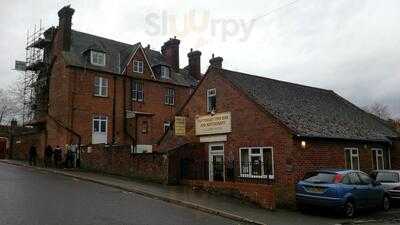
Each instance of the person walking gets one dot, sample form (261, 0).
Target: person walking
(57, 156)
(48, 154)
(32, 156)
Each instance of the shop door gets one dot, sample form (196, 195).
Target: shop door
(216, 162)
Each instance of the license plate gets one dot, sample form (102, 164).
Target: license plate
(316, 190)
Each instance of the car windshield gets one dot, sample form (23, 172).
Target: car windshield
(387, 177)
(319, 177)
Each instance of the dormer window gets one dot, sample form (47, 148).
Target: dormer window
(138, 66)
(165, 72)
(97, 58)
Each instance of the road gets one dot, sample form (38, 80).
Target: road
(33, 197)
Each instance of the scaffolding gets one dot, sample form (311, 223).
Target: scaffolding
(35, 80)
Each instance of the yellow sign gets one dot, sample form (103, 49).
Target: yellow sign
(180, 126)
(214, 124)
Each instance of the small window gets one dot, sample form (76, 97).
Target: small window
(165, 72)
(167, 125)
(352, 159)
(101, 86)
(170, 97)
(256, 162)
(378, 162)
(137, 91)
(211, 100)
(97, 58)
(138, 66)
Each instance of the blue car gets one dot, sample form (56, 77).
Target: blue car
(345, 190)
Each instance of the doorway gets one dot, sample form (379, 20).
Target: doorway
(216, 168)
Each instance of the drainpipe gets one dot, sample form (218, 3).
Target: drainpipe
(113, 112)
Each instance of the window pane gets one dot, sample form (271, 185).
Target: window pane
(104, 82)
(256, 165)
(103, 126)
(347, 159)
(387, 177)
(255, 151)
(96, 90)
(97, 81)
(354, 160)
(267, 160)
(95, 126)
(380, 163)
(374, 163)
(244, 164)
(103, 91)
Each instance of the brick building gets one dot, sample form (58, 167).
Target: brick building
(254, 129)
(99, 90)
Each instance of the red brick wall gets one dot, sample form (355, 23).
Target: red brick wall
(73, 104)
(395, 155)
(262, 195)
(24, 142)
(119, 161)
(251, 127)
(325, 154)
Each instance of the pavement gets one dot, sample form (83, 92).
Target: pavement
(221, 206)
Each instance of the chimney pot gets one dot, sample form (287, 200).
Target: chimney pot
(64, 25)
(170, 51)
(195, 64)
(216, 62)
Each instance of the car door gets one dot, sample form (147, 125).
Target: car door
(359, 190)
(374, 192)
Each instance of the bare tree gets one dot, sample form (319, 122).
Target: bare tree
(379, 110)
(6, 106)
(12, 102)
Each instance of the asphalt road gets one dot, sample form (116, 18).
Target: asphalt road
(33, 197)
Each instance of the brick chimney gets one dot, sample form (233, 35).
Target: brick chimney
(64, 26)
(170, 51)
(194, 64)
(216, 62)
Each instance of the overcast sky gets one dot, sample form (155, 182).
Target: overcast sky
(351, 47)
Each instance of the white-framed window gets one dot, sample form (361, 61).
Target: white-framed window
(352, 160)
(211, 100)
(256, 162)
(167, 125)
(165, 72)
(100, 86)
(99, 130)
(97, 58)
(137, 91)
(138, 66)
(170, 96)
(378, 162)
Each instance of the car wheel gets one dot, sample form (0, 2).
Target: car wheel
(386, 203)
(349, 209)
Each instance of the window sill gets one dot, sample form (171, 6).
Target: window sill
(101, 96)
(257, 176)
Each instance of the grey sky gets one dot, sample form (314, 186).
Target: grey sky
(351, 47)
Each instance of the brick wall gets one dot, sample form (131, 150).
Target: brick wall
(262, 195)
(395, 155)
(253, 127)
(118, 160)
(23, 142)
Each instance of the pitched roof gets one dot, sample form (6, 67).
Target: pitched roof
(118, 55)
(308, 111)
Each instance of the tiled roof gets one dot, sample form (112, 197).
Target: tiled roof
(117, 56)
(309, 111)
